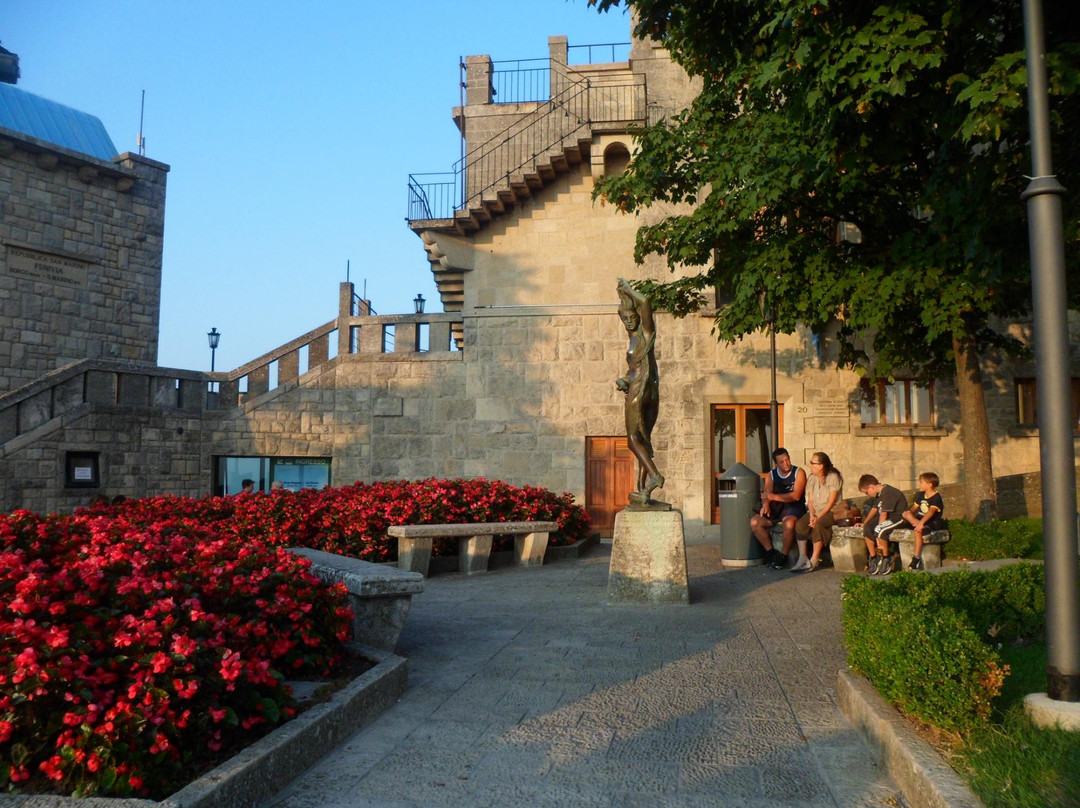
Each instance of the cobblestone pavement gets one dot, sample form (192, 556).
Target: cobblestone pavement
(527, 689)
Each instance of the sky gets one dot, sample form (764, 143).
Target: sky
(290, 130)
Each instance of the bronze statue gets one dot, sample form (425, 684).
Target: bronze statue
(641, 384)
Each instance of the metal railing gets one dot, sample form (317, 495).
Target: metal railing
(517, 150)
(618, 51)
(519, 85)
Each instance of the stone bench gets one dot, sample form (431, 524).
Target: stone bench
(379, 595)
(848, 547)
(474, 543)
(933, 542)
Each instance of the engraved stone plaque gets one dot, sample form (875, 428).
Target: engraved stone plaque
(32, 265)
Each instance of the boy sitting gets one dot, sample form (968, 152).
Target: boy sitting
(927, 513)
(885, 516)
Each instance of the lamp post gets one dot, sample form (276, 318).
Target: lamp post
(213, 336)
(769, 316)
(1056, 430)
(418, 303)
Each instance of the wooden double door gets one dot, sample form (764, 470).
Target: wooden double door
(609, 479)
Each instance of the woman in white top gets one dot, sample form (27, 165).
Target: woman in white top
(824, 488)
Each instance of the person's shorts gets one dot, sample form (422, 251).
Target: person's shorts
(779, 511)
(881, 530)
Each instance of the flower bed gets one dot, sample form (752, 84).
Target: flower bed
(133, 655)
(145, 641)
(352, 520)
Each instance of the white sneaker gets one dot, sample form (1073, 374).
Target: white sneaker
(801, 565)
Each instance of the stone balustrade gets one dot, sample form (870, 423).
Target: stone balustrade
(68, 392)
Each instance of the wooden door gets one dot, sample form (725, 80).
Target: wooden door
(609, 479)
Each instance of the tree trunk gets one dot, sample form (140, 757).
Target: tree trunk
(980, 493)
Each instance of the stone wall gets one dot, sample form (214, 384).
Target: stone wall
(80, 257)
(143, 451)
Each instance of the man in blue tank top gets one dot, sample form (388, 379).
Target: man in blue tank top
(784, 501)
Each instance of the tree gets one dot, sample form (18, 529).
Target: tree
(903, 123)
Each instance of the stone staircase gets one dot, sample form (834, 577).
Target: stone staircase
(521, 185)
(531, 153)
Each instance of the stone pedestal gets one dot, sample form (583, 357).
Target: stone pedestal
(648, 558)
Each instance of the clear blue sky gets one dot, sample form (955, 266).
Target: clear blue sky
(290, 129)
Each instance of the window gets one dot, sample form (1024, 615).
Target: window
(903, 401)
(81, 470)
(293, 472)
(1027, 403)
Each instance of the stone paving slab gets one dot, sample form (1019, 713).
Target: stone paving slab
(526, 688)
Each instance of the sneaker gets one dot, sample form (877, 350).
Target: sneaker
(916, 564)
(801, 565)
(779, 562)
(872, 565)
(886, 566)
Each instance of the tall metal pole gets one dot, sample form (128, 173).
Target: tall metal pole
(1056, 430)
(774, 419)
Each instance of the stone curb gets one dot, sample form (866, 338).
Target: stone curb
(268, 765)
(575, 550)
(925, 779)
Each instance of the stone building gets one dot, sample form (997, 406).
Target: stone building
(513, 380)
(80, 241)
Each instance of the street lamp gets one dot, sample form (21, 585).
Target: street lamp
(213, 336)
(769, 315)
(418, 302)
(1057, 461)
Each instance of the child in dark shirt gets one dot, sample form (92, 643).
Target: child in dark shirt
(927, 513)
(886, 515)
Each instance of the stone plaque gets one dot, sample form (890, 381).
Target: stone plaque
(828, 408)
(832, 426)
(47, 268)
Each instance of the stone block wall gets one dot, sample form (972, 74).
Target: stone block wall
(142, 451)
(80, 257)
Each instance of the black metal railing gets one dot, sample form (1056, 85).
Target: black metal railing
(511, 83)
(506, 157)
(615, 51)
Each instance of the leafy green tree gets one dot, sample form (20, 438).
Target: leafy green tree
(901, 124)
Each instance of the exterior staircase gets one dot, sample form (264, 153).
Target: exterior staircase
(530, 154)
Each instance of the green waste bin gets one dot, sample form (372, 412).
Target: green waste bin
(738, 493)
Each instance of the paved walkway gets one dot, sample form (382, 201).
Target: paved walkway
(527, 689)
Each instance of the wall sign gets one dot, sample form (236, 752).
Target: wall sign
(60, 270)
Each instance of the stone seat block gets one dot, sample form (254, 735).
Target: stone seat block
(380, 596)
(776, 534)
(474, 543)
(848, 549)
(932, 545)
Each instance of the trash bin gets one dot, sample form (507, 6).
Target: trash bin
(738, 494)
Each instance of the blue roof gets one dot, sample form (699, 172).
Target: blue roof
(54, 123)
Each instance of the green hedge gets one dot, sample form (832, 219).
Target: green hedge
(929, 643)
(1009, 538)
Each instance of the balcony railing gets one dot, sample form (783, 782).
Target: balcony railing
(571, 114)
